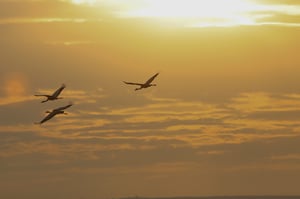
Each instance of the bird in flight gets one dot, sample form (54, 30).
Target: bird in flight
(54, 112)
(55, 95)
(144, 85)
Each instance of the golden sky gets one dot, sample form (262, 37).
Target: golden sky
(222, 120)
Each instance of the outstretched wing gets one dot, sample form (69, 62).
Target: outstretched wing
(48, 117)
(58, 91)
(151, 79)
(63, 107)
(131, 83)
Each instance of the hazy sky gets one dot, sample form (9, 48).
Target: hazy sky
(223, 120)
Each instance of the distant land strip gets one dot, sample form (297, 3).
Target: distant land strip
(218, 197)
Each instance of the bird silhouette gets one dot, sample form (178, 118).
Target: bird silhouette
(144, 85)
(55, 95)
(54, 112)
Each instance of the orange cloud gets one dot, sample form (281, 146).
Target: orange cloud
(15, 87)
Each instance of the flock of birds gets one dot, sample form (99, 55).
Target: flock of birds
(61, 110)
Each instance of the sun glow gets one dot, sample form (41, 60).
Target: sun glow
(193, 12)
